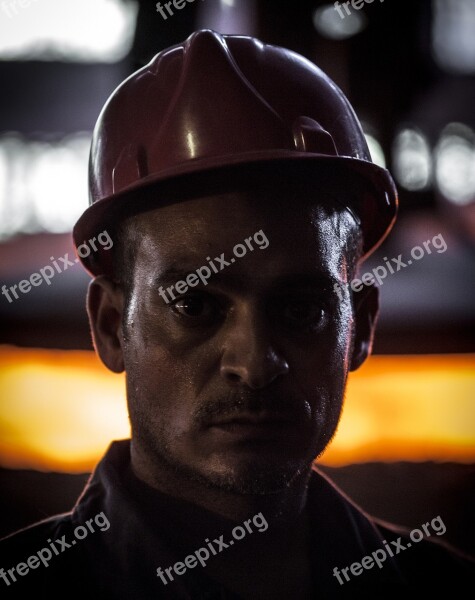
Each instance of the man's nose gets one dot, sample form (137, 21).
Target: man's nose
(249, 355)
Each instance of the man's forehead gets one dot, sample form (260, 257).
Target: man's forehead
(215, 217)
(310, 238)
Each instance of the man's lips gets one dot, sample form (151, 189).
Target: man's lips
(249, 425)
(253, 418)
(257, 416)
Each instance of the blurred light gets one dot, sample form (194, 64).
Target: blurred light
(228, 16)
(376, 150)
(412, 160)
(396, 408)
(59, 435)
(86, 31)
(43, 186)
(455, 164)
(453, 35)
(329, 23)
(415, 408)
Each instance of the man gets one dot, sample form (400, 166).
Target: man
(237, 185)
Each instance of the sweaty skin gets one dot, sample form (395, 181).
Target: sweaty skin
(234, 388)
(267, 336)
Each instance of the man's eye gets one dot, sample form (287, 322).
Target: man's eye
(196, 307)
(306, 313)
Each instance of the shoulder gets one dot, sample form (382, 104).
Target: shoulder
(423, 555)
(419, 558)
(34, 558)
(37, 532)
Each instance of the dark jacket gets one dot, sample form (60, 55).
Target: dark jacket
(120, 531)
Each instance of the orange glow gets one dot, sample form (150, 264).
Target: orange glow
(60, 410)
(413, 408)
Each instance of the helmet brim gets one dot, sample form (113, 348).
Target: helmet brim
(375, 209)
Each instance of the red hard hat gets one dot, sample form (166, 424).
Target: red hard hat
(220, 109)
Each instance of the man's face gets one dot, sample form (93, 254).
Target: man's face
(238, 383)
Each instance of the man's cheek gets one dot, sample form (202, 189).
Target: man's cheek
(322, 372)
(154, 325)
(166, 333)
(329, 349)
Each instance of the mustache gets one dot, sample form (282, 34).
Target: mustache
(237, 402)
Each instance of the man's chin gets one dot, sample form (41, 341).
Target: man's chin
(256, 479)
(251, 473)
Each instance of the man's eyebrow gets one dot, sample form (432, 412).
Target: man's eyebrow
(173, 274)
(319, 279)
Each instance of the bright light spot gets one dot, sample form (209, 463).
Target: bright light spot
(86, 31)
(412, 160)
(43, 186)
(4, 169)
(61, 435)
(453, 35)
(191, 144)
(396, 408)
(455, 164)
(376, 150)
(330, 24)
(228, 16)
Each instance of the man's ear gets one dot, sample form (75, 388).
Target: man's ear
(105, 304)
(366, 315)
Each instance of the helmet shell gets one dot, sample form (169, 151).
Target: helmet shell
(215, 110)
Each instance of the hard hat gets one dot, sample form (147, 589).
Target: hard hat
(217, 109)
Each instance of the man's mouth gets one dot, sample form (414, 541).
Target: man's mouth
(260, 425)
(252, 418)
